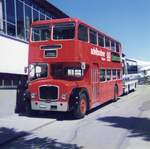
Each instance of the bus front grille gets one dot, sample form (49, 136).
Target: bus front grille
(48, 92)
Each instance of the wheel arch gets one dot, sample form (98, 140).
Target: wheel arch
(75, 95)
(116, 92)
(116, 87)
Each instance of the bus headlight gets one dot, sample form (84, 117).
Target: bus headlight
(64, 96)
(33, 95)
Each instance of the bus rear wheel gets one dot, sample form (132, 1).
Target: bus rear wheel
(81, 107)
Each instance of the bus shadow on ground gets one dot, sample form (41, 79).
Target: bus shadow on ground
(100, 106)
(61, 116)
(137, 127)
(11, 139)
(130, 92)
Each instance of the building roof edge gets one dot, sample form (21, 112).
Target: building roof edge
(51, 8)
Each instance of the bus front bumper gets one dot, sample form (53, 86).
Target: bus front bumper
(49, 106)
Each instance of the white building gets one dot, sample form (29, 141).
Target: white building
(15, 19)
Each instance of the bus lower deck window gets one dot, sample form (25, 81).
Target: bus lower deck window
(102, 75)
(114, 74)
(108, 74)
(118, 74)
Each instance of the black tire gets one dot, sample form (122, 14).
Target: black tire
(20, 102)
(28, 110)
(129, 89)
(115, 93)
(134, 87)
(81, 107)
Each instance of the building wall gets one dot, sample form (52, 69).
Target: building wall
(15, 19)
(17, 15)
(13, 56)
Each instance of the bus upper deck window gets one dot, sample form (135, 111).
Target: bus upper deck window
(117, 47)
(113, 45)
(107, 43)
(64, 31)
(82, 33)
(93, 38)
(100, 40)
(41, 33)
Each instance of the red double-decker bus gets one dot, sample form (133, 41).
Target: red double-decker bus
(72, 67)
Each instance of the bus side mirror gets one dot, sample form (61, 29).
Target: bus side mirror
(25, 69)
(83, 65)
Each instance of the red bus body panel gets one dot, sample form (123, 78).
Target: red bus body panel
(75, 51)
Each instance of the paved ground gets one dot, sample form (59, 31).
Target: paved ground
(121, 125)
(7, 102)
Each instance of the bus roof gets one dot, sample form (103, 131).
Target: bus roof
(53, 21)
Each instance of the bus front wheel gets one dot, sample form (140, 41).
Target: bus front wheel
(80, 107)
(28, 110)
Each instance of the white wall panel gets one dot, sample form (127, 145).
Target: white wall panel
(13, 56)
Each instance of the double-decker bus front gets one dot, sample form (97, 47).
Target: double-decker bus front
(72, 67)
(54, 67)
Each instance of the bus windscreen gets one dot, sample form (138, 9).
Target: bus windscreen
(132, 67)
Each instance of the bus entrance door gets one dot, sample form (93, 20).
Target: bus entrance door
(95, 83)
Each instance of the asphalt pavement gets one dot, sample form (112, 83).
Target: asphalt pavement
(124, 124)
(7, 102)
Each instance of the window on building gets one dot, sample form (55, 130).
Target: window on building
(16, 19)
(35, 6)
(47, 18)
(15, 82)
(48, 15)
(3, 9)
(35, 15)
(1, 16)
(20, 20)
(29, 2)
(82, 33)
(93, 38)
(10, 10)
(100, 40)
(102, 75)
(7, 82)
(42, 17)
(108, 74)
(28, 19)
(11, 29)
(42, 10)
(1, 82)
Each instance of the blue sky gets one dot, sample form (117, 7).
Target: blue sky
(125, 20)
